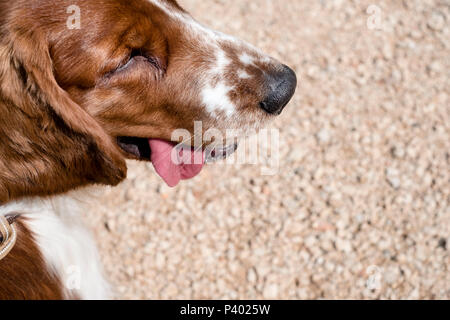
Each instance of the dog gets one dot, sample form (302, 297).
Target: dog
(85, 86)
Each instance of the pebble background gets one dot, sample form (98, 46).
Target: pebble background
(360, 207)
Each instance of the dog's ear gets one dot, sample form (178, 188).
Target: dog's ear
(49, 143)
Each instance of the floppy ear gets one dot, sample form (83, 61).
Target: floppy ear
(49, 143)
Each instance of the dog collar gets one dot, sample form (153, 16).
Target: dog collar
(8, 234)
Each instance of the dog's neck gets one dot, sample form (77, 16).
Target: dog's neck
(67, 247)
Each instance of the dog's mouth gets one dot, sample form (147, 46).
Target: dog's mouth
(174, 162)
(135, 148)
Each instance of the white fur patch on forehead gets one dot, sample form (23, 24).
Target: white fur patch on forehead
(211, 37)
(192, 26)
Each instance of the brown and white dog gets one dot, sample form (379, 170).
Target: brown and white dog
(77, 100)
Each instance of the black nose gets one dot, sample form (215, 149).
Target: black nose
(280, 89)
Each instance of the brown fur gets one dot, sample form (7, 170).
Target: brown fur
(46, 135)
(64, 99)
(63, 102)
(24, 274)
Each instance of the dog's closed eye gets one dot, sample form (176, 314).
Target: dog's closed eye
(137, 56)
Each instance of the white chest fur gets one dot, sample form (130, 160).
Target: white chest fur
(66, 245)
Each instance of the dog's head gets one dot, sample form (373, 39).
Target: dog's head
(100, 81)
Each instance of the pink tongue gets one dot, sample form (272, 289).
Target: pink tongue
(188, 163)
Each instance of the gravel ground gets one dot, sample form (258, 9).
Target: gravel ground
(360, 207)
